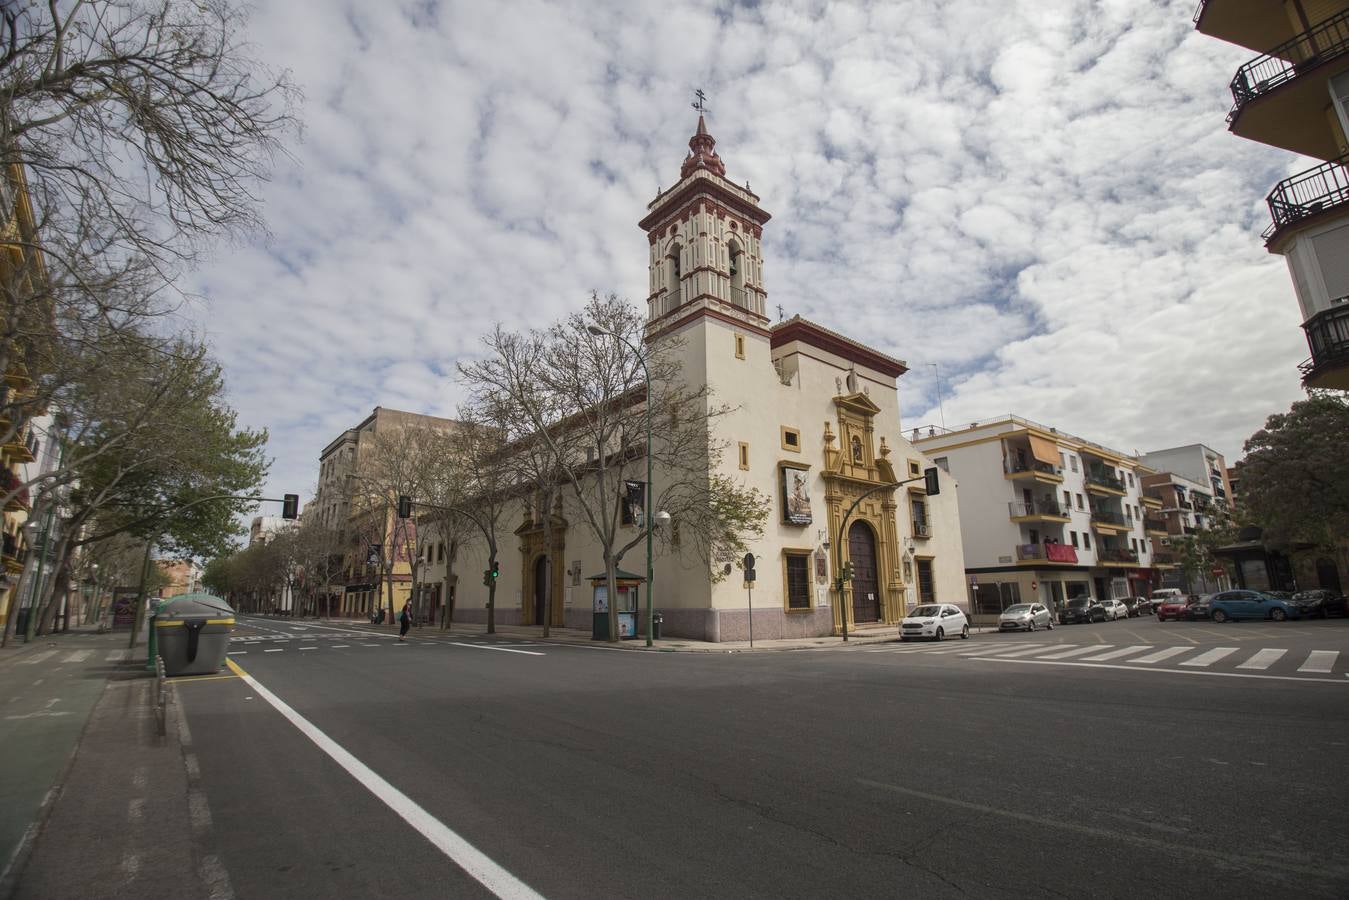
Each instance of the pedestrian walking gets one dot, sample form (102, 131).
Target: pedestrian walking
(404, 620)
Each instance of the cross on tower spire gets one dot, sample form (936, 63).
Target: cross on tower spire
(701, 103)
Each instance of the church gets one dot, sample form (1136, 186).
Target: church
(815, 425)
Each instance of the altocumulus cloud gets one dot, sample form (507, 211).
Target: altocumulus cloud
(1040, 197)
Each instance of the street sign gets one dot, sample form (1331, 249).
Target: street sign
(748, 561)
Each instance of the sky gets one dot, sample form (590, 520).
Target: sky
(1034, 203)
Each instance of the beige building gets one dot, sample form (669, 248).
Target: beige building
(815, 424)
(1045, 515)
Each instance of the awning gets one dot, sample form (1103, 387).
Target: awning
(1046, 451)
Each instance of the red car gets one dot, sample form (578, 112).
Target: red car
(1173, 608)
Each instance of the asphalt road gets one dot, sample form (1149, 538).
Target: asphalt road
(926, 771)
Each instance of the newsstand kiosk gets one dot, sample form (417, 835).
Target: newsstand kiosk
(629, 590)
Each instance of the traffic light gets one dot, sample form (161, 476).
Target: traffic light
(496, 569)
(931, 483)
(290, 506)
(404, 506)
(486, 577)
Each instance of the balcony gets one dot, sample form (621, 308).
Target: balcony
(922, 530)
(1298, 70)
(1307, 194)
(1033, 470)
(13, 555)
(1152, 502)
(1111, 556)
(1250, 25)
(1154, 525)
(1165, 560)
(1037, 511)
(1102, 482)
(1046, 554)
(1328, 338)
(1107, 522)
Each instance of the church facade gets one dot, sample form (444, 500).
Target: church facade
(815, 425)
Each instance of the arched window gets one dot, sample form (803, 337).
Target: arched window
(737, 270)
(674, 289)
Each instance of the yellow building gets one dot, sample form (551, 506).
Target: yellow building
(21, 268)
(1295, 95)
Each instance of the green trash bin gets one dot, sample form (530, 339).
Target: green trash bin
(193, 634)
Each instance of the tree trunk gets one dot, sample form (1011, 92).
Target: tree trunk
(492, 592)
(547, 562)
(611, 579)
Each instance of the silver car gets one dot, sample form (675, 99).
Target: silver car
(1114, 609)
(1025, 617)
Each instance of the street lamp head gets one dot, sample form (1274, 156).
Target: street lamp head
(596, 330)
(662, 519)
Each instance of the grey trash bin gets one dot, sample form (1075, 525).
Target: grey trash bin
(193, 634)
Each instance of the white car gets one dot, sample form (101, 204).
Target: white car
(935, 621)
(1114, 609)
(1025, 617)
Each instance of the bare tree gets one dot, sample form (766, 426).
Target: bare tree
(438, 513)
(579, 391)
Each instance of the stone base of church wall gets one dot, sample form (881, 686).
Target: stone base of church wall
(771, 624)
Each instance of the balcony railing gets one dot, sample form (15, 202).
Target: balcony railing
(922, 529)
(1308, 193)
(1163, 558)
(1104, 479)
(1153, 523)
(11, 546)
(1013, 467)
(1108, 517)
(1018, 508)
(1064, 553)
(1112, 554)
(1328, 337)
(1325, 41)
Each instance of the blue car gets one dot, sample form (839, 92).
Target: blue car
(1251, 605)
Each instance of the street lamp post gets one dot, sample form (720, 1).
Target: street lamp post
(650, 521)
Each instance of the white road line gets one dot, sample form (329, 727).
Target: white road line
(341, 646)
(39, 657)
(116, 656)
(1027, 651)
(79, 656)
(1320, 661)
(1160, 655)
(1086, 665)
(502, 649)
(463, 854)
(302, 649)
(1209, 657)
(1064, 654)
(1263, 660)
(275, 650)
(237, 653)
(1116, 654)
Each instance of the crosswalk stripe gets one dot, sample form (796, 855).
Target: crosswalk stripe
(79, 656)
(1116, 654)
(1065, 654)
(1320, 661)
(1209, 657)
(1263, 660)
(39, 657)
(116, 656)
(988, 651)
(1027, 651)
(1160, 655)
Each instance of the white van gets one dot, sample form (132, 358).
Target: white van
(1164, 595)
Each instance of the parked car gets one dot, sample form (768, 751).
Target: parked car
(1321, 603)
(1166, 595)
(1137, 606)
(1198, 608)
(1114, 609)
(1025, 617)
(1252, 605)
(1081, 609)
(1172, 607)
(935, 621)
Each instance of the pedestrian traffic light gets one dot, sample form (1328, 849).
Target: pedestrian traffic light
(404, 506)
(930, 478)
(496, 569)
(290, 506)
(487, 577)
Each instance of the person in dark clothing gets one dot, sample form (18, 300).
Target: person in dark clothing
(404, 621)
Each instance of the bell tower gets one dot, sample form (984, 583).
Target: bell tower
(705, 244)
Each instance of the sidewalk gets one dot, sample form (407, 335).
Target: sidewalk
(866, 635)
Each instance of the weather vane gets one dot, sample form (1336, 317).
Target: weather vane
(701, 105)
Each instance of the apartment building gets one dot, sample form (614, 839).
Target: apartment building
(1199, 464)
(1295, 95)
(1044, 515)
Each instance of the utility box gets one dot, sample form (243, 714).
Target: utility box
(193, 634)
(629, 586)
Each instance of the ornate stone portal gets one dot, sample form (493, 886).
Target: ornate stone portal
(850, 470)
(532, 547)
